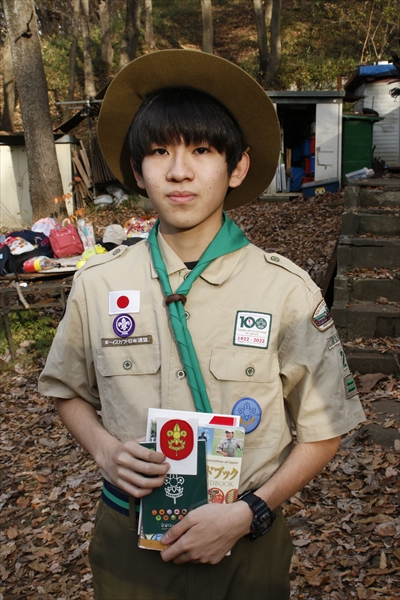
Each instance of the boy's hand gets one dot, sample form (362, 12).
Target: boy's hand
(206, 534)
(134, 469)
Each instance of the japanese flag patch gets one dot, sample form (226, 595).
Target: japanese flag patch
(125, 301)
(321, 318)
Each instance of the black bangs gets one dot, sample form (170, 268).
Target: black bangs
(175, 115)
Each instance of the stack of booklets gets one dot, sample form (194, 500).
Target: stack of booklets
(205, 455)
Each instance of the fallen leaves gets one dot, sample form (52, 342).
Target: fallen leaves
(49, 494)
(305, 230)
(345, 523)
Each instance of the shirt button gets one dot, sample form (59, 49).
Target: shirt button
(187, 315)
(186, 275)
(181, 374)
(116, 251)
(250, 371)
(127, 365)
(275, 258)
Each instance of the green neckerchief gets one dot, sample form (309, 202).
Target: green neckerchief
(228, 239)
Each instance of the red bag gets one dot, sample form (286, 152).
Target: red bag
(65, 241)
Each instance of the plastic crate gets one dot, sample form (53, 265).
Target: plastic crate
(306, 146)
(320, 187)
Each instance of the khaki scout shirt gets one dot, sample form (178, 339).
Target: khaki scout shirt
(230, 446)
(299, 377)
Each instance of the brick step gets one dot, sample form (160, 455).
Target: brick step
(365, 253)
(357, 196)
(366, 320)
(372, 361)
(368, 289)
(383, 223)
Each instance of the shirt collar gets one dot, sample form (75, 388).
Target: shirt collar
(215, 274)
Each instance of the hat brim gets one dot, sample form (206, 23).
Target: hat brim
(229, 84)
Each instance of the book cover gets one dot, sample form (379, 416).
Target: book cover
(169, 504)
(224, 448)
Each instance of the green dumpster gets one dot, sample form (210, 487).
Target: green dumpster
(357, 142)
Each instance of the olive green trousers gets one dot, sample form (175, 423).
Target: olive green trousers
(121, 571)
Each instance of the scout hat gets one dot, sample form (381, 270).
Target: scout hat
(227, 83)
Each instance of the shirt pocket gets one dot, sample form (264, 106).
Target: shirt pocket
(239, 374)
(129, 384)
(139, 360)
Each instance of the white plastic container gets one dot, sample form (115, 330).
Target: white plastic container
(364, 173)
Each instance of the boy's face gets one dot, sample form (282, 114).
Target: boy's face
(187, 185)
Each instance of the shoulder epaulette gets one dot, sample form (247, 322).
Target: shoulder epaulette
(285, 263)
(101, 259)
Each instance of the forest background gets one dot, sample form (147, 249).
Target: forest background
(58, 51)
(319, 41)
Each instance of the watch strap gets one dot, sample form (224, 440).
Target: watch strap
(262, 513)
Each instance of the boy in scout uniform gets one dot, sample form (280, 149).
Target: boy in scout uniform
(197, 318)
(229, 445)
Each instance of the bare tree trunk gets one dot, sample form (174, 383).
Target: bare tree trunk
(46, 26)
(149, 34)
(275, 37)
(90, 89)
(268, 10)
(261, 36)
(107, 52)
(208, 33)
(8, 88)
(72, 57)
(131, 33)
(44, 174)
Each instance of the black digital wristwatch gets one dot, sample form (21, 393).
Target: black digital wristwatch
(263, 515)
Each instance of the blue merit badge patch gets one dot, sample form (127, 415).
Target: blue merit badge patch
(321, 318)
(249, 412)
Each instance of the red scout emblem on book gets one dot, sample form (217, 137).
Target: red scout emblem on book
(176, 439)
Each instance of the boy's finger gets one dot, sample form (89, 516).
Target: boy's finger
(139, 451)
(174, 533)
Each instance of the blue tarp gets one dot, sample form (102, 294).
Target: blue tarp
(378, 71)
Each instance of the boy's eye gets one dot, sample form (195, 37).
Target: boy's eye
(159, 151)
(202, 150)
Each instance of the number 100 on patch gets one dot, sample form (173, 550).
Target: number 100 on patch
(252, 329)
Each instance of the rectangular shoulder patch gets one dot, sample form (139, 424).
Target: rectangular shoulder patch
(252, 329)
(350, 386)
(333, 341)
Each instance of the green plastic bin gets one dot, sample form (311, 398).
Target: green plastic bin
(357, 142)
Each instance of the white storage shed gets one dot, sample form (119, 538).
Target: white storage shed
(370, 86)
(305, 115)
(15, 204)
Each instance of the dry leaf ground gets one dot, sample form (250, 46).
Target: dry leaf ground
(345, 524)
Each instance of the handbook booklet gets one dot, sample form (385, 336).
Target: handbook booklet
(205, 453)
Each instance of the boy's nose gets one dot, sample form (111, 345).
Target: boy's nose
(179, 168)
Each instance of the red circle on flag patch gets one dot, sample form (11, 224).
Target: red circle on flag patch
(176, 439)
(122, 301)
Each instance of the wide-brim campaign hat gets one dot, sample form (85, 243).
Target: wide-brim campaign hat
(246, 100)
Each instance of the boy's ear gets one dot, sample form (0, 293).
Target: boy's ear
(240, 171)
(138, 177)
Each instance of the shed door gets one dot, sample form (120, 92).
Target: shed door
(328, 135)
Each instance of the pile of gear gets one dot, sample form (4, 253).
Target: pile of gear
(41, 247)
